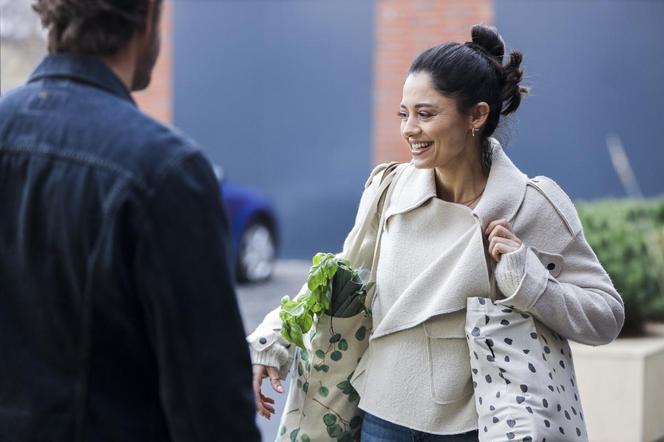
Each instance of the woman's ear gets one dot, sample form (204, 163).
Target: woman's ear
(479, 114)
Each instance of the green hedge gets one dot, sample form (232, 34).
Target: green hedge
(628, 238)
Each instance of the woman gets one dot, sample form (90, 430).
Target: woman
(462, 221)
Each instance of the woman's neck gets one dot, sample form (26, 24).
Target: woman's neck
(463, 180)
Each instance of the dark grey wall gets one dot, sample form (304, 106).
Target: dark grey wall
(595, 66)
(279, 93)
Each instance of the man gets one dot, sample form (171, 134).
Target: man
(118, 318)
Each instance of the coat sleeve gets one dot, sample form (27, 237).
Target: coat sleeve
(267, 347)
(192, 316)
(569, 291)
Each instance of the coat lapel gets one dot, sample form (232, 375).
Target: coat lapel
(443, 286)
(436, 291)
(414, 188)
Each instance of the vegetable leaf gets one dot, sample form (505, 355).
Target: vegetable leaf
(329, 290)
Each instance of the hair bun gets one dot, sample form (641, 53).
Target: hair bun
(488, 38)
(512, 90)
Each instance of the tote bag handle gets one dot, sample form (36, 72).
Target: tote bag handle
(376, 205)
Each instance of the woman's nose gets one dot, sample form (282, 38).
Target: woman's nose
(410, 128)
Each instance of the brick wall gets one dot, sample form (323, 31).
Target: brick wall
(403, 30)
(157, 99)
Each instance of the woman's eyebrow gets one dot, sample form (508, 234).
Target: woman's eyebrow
(419, 105)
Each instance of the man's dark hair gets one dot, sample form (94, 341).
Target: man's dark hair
(91, 27)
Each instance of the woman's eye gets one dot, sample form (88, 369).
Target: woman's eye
(402, 115)
(424, 114)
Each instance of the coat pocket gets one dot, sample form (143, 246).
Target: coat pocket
(448, 358)
(359, 378)
(553, 262)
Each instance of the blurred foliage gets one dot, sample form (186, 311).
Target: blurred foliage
(628, 237)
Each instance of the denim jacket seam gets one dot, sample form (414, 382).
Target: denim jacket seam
(68, 155)
(167, 168)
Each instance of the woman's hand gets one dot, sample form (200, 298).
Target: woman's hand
(264, 404)
(501, 238)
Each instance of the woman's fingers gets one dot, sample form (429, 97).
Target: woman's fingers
(267, 404)
(499, 222)
(258, 371)
(498, 250)
(500, 227)
(258, 401)
(499, 246)
(268, 407)
(509, 243)
(501, 231)
(504, 240)
(262, 402)
(501, 238)
(273, 373)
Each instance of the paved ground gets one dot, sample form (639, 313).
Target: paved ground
(255, 301)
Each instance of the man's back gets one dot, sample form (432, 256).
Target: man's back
(117, 311)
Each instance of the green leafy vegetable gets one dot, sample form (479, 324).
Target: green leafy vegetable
(333, 287)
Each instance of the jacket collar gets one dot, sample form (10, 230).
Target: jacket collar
(81, 68)
(505, 189)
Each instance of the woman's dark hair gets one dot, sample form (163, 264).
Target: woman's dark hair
(473, 72)
(91, 27)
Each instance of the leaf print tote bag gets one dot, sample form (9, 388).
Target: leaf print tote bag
(523, 374)
(321, 403)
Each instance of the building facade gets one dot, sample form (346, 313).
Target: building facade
(298, 98)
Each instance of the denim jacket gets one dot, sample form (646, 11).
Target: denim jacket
(118, 316)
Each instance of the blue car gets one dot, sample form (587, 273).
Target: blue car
(254, 230)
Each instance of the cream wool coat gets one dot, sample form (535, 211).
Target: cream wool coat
(561, 283)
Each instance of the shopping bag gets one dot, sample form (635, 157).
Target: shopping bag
(321, 403)
(332, 331)
(523, 376)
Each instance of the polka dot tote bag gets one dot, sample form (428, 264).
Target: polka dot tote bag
(523, 374)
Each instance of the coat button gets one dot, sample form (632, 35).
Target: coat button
(551, 266)
(262, 340)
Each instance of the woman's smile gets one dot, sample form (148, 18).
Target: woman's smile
(418, 148)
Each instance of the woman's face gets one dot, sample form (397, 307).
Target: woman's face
(431, 125)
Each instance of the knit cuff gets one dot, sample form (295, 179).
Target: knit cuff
(276, 355)
(511, 270)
